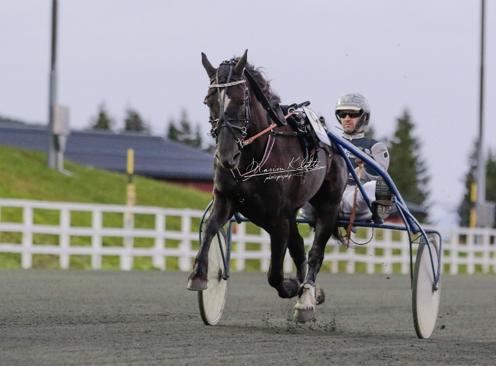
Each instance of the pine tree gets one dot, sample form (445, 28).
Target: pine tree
(491, 178)
(183, 131)
(470, 176)
(370, 132)
(172, 131)
(102, 121)
(134, 122)
(407, 169)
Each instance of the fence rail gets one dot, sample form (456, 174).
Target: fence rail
(170, 238)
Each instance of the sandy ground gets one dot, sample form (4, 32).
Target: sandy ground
(148, 318)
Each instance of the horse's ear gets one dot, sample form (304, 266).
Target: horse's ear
(240, 65)
(208, 66)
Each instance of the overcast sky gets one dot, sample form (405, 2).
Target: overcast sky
(421, 54)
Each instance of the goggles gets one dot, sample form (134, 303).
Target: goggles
(351, 113)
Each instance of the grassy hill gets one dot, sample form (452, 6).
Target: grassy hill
(24, 174)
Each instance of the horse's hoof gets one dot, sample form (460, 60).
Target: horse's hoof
(305, 306)
(319, 295)
(304, 315)
(291, 287)
(196, 284)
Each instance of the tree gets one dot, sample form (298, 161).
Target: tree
(470, 176)
(407, 168)
(134, 122)
(183, 131)
(102, 121)
(370, 132)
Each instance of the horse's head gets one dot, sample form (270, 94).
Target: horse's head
(228, 101)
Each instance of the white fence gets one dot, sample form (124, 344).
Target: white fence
(168, 239)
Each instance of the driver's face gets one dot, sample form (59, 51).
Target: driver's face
(349, 123)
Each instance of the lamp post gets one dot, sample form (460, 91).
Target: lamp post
(478, 188)
(481, 161)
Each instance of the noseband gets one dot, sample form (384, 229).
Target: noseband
(223, 121)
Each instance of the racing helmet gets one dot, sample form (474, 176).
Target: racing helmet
(356, 102)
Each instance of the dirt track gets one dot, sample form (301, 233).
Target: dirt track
(75, 318)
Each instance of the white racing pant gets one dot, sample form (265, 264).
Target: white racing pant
(361, 204)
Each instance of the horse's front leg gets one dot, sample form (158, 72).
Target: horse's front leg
(279, 234)
(221, 213)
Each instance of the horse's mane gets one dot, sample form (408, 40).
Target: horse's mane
(264, 84)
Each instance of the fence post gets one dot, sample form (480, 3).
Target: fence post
(64, 238)
(334, 258)
(470, 247)
(454, 245)
(96, 239)
(128, 225)
(185, 246)
(388, 252)
(405, 252)
(241, 247)
(265, 248)
(158, 256)
(486, 252)
(27, 237)
(288, 263)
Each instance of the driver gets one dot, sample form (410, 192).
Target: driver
(353, 113)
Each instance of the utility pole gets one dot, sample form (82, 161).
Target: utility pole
(481, 172)
(478, 190)
(52, 91)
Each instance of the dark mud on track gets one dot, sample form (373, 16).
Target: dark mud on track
(93, 318)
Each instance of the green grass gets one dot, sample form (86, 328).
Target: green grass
(24, 175)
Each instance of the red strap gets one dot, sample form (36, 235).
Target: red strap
(263, 132)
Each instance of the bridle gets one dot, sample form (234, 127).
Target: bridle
(226, 122)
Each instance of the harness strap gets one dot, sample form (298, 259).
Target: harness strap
(353, 211)
(248, 141)
(263, 99)
(273, 125)
(225, 85)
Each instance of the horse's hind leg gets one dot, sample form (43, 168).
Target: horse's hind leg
(310, 295)
(326, 204)
(296, 248)
(324, 228)
(279, 234)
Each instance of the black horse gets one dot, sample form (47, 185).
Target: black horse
(263, 172)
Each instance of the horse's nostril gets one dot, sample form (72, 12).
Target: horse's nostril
(230, 162)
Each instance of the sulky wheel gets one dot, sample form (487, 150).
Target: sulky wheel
(425, 299)
(213, 299)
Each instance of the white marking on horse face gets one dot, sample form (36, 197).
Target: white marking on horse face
(225, 98)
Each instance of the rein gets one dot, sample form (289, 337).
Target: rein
(248, 141)
(266, 130)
